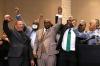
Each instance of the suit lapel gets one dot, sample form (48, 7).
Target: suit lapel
(46, 34)
(43, 35)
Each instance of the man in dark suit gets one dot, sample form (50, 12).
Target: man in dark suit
(20, 52)
(67, 47)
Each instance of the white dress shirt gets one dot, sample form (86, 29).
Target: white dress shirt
(33, 36)
(73, 40)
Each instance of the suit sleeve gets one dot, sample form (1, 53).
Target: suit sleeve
(6, 29)
(56, 19)
(61, 38)
(31, 53)
(58, 24)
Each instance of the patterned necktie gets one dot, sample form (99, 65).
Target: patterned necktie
(68, 40)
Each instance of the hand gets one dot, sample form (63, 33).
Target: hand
(8, 18)
(17, 9)
(32, 63)
(93, 37)
(1, 42)
(34, 53)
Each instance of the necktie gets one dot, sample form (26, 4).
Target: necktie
(68, 40)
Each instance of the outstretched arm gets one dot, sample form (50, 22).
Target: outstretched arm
(7, 30)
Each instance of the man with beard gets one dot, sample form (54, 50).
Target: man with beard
(20, 52)
(45, 44)
(81, 33)
(67, 46)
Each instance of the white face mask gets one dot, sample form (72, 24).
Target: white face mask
(34, 26)
(7, 39)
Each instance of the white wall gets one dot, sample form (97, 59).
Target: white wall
(31, 9)
(2, 6)
(86, 9)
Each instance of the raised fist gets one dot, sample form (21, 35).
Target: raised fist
(8, 18)
(17, 10)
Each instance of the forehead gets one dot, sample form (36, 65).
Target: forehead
(19, 22)
(92, 23)
(46, 22)
(7, 16)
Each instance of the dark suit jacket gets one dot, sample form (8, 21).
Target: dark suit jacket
(56, 19)
(19, 46)
(61, 37)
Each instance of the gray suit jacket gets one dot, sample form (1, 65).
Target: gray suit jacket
(47, 39)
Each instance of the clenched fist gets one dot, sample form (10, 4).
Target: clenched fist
(8, 18)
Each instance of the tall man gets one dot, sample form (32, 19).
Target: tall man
(67, 46)
(45, 44)
(20, 52)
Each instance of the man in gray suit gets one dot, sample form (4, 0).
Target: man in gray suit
(45, 44)
(20, 52)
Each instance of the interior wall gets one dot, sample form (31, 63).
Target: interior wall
(2, 6)
(86, 9)
(31, 9)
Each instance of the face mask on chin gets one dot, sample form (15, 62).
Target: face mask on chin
(34, 27)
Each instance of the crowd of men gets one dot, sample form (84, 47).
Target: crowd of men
(52, 45)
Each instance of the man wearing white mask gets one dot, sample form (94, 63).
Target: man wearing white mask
(35, 27)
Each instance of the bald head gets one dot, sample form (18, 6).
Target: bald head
(93, 21)
(47, 23)
(19, 25)
(70, 18)
(82, 22)
(92, 25)
(82, 26)
(7, 15)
